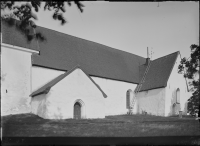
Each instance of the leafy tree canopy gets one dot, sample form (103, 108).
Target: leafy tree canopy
(190, 68)
(24, 13)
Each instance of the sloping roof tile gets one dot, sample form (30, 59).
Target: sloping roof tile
(142, 69)
(159, 72)
(62, 51)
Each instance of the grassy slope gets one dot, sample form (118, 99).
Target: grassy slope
(111, 126)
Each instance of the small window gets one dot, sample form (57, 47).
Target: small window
(128, 98)
(178, 96)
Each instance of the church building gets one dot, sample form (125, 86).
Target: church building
(67, 77)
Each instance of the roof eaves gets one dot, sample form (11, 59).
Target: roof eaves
(48, 67)
(88, 74)
(152, 88)
(45, 91)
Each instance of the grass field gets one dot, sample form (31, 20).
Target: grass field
(112, 126)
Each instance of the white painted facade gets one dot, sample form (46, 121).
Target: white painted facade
(59, 102)
(116, 92)
(151, 101)
(19, 79)
(176, 81)
(115, 103)
(15, 79)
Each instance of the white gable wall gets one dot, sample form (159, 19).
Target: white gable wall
(151, 101)
(15, 80)
(176, 81)
(116, 92)
(59, 102)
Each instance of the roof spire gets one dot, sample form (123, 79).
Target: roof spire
(147, 52)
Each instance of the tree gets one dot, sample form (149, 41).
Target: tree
(190, 68)
(25, 15)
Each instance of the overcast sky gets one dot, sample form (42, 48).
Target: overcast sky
(164, 27)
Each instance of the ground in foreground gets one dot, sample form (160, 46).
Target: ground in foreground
(112, 126)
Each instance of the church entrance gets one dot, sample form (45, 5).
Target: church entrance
(77, 110)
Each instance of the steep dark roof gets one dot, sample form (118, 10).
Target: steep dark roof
(45, 89)
(63, 52)
(159, 72)
(142, 69)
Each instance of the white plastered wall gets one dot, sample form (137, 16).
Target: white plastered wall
(175, 81)
(15, 80)
(116, 92)
(59, 102)
(152, 102)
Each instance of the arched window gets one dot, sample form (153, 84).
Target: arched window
(79, 109)
(178, 96)
(129, 94)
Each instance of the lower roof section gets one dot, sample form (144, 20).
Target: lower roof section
(45, 88)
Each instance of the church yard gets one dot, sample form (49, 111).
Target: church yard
(30, 125)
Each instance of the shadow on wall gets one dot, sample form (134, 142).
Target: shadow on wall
(58, 114)
(42, 106)
(185, 110)
(3, 77)
(174, 107)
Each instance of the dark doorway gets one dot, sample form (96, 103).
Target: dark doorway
(77, 110)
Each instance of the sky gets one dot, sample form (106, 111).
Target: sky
(163, 27)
